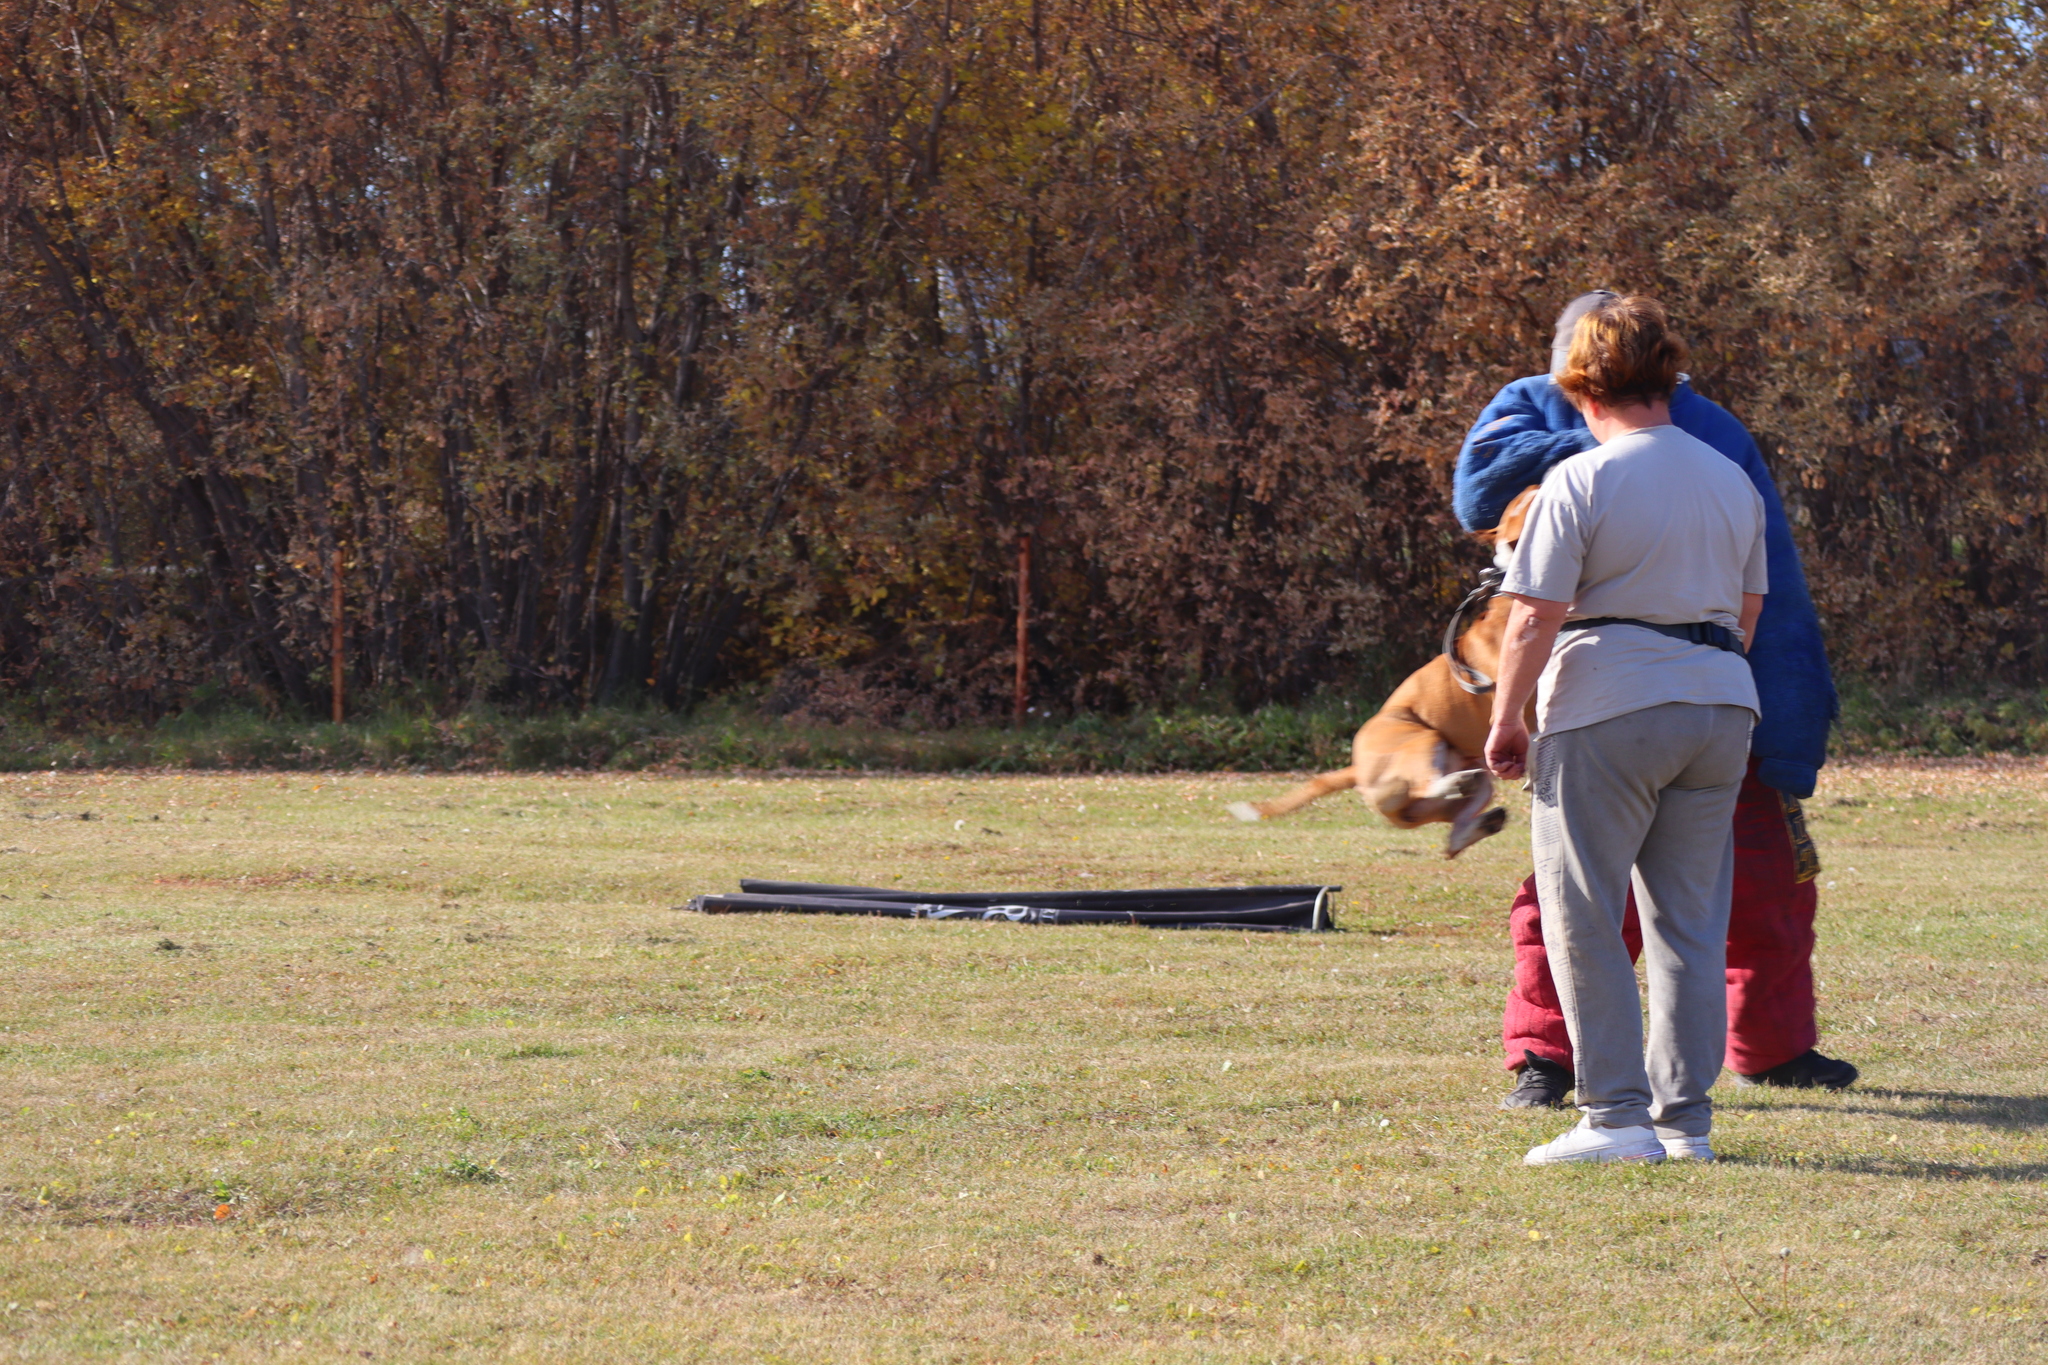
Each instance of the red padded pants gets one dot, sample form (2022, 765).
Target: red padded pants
(1770, 952)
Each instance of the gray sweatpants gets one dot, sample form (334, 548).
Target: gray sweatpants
(1653, 790)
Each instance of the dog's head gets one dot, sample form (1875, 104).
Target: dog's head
(1509, 530)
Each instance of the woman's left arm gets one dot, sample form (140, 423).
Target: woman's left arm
(1752, 607)
(1532, 628)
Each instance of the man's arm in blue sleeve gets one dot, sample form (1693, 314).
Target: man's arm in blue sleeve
(1794, 685)
(1528, 427)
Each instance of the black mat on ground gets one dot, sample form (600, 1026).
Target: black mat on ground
(1268, 909)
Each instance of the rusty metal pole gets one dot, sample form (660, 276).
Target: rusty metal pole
(1023, 621)
(336, 613)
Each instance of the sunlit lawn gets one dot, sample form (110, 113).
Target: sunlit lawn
(436, 1068)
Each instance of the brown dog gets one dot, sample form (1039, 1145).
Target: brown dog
(1418, 762)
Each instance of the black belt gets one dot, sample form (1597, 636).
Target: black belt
(1694, 632)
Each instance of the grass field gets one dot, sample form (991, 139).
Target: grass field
(405, 1068)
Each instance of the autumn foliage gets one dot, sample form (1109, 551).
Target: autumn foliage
(633, 348)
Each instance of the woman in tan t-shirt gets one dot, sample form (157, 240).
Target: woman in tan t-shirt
(1646, 553)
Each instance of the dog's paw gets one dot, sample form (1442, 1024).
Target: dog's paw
(1457, 786)
(1245, 811)
(1465, 833)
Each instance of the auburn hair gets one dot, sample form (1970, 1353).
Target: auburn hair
(1623, 351)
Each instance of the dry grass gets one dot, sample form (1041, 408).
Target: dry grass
(409, 1068)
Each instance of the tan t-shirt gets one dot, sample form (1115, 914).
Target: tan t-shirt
(1655, 525)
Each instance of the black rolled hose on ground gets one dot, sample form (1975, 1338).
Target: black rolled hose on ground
(1256, 908)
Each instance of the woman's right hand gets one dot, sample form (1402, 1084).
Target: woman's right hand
(1507, 748)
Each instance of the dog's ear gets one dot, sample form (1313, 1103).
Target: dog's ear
(1510, 528)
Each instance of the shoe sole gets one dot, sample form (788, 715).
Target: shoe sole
(1594, 1159)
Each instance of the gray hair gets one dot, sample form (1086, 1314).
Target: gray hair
(1561, 339)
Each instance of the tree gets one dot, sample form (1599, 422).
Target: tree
(627, 347)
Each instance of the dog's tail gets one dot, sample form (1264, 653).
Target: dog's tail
(1312, 790)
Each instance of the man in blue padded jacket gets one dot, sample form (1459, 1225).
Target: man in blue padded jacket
(1529, 426)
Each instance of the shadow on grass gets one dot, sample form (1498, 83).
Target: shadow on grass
(1948, 1172)
(1932, 1106)
(1940, 1106)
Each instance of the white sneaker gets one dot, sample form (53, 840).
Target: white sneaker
(1587, 1143)
(1687, 1149)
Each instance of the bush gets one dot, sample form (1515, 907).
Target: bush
(728, 735)
(715, 738)
(1947, 724)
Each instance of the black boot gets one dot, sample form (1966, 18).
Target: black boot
(1544, 1085)
(1804, 1072)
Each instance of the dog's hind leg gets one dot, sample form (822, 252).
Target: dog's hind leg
(1403, 759)
(1474, 821)
(1456, 784)
(1312, 790)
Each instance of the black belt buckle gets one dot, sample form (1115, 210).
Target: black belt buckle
(1715, 634)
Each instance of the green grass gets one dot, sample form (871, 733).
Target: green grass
(719, 737)
(1991, 719)
(728, 735)
(432, 1067)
